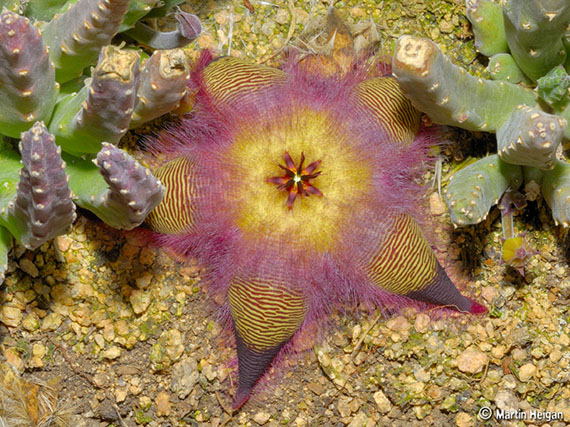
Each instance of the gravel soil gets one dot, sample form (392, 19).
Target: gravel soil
(98, 330)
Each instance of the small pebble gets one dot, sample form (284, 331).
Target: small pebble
(121, 394)
(554, 356)
(526, 372)
(210, 372)
(506, 400)
(398, 324)
(382, 402)
(261, 417)
(163, 404)
(185, 375)
(139, 301)
(359, 420)
(422, 375)
(51, 322)
(471, 361)
(463, 419)
(436, 204)
(343, 407)
(11, 316)
(422, 323)
(519, 354)
(32, 323)
(63, 243)
(144, 280)
(282, 17)
(28, 267)
(222, 17)
(300, 421)
(112, 352)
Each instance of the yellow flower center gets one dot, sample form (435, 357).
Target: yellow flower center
(256, 158)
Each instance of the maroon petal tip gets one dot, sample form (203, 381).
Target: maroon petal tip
(240, 399)
(477, 308)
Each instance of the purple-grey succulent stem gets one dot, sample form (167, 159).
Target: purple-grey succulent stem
(163, 84)
(43, 207)
(133, 190)
(76, 36)
(28, 90)
(102, 110)
(189, 28)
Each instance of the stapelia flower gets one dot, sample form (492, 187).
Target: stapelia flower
(296, 190)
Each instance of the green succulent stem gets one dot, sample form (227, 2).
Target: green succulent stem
(450, 95)
(41, 208)
(44, 10)
(5, 245)
(556, 192)
(530, 137)
(502, 66)
(474, 189)
(166, 6)
(11, 5)
(487, 21)
(137, 10)
(10, 165)
(535, 30)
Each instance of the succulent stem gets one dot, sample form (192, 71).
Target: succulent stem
(117, 188)
(474, 189)
(188, 29)
(102, 110)
(5, 245)
(42, 207)
(76, 36)
(163, 84)
(44, 10)
(535, 31)
(137, 10)
(449, 94)
(502, 66)
(556, 192)
(487, 21)
(28, 90)
(530, 137)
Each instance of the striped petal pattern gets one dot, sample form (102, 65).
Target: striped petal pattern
(175, 213)
(404, 263)
(229, 78)
(266, 314)
(386, 103)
